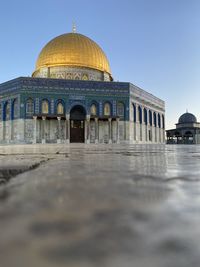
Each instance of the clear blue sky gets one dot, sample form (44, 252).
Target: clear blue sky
(155, 44)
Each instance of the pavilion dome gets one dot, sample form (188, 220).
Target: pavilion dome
(72, 50)
(187, 118)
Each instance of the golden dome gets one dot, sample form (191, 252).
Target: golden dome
(74, 50)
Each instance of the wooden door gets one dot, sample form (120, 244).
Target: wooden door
(77, 131)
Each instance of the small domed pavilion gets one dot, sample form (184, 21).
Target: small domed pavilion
(187, 131)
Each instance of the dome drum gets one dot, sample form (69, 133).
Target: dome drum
(72, 73)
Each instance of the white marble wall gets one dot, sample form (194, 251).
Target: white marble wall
(1, 130)
(51, 130)
(142, 133)
(114, 131)
(23, 131)
(12, 131)
(92, 131)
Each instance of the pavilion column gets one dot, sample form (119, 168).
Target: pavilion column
(67, 128)
(34, 129)
(59, 130)
(87, 129)
(96, 131)
(110, 130)
(43, 130)
(117, 120)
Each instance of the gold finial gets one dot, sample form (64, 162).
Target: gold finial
(74, 27)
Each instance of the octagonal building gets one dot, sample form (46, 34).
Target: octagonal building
(71, 97)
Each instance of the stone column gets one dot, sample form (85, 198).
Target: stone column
(110, 130)
(67, 128)
(151, 125)
(148, 125)
(35, 130)
(141, 124)
(10, 122)
(4, 130)
(155, 127)
(96, 131)
(43, 130)
(59, 130)
(136, 123)
(87, 126)
(11, 130)
(117, 131)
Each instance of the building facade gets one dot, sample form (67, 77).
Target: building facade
(187, 131)
(71, 97)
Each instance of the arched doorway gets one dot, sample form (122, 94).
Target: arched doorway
(188, 137)
(77, 124)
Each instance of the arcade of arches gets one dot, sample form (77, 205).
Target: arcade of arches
(145, 125)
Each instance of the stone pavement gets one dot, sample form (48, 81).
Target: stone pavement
(100, 206)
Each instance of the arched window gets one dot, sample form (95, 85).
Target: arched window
(134, 113)
(107, 109)
(155, 119)
(60, 108)
(93, 110)
(29, 106)
(159, 123)
(7, 111)
(15, 109)
(177, 134)
(140, 114)
(163, 121)
(120, 109)
(145, 116)
(45, 107)
(150, 117)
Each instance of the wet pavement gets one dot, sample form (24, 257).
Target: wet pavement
(100, 205)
